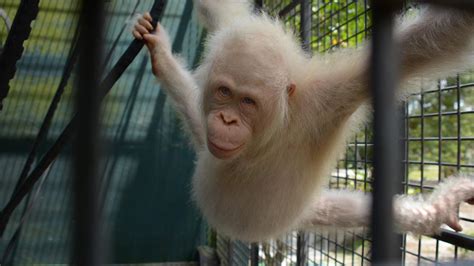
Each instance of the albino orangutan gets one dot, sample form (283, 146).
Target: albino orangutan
(268, 121)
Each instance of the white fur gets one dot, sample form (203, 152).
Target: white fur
(275, 185)
(416, 214)
(215, 14)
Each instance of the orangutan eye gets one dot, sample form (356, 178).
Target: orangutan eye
(248, 101)
(225, 92)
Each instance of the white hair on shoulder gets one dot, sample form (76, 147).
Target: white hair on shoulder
(215, 14)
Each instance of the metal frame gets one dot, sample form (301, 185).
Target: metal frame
(87, 235)
(384, 81)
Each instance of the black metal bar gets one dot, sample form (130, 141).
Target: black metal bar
(305, 35)
(305, 25)
(301, 249)
(384, 71)
(400, 189)
(230, 251)
(122, 64)
(287, 9)
(457, 239)
(13, 49)
(87, 248)
(254, 248)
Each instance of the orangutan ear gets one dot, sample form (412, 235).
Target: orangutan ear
(291, 89)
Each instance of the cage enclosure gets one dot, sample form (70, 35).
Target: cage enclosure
(97, 125)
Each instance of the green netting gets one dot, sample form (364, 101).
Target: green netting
(147, 163)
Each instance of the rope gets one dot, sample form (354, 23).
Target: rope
(13, 49)
(40, 137)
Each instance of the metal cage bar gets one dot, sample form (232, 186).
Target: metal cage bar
(384, 81)
(87, 248)
(305, 27)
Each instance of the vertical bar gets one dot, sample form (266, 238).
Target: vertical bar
(305, 34)
(254, 254)
(305, 26)
(400, 187)
(458, 123)
(230, 252)
(384, 80)
(87, 233)
(301, 249)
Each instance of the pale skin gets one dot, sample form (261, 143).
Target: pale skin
(268, 122)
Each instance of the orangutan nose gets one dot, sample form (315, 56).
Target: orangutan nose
(228, 119)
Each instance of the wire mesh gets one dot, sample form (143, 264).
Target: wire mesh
(438, 142)
(139, 128)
